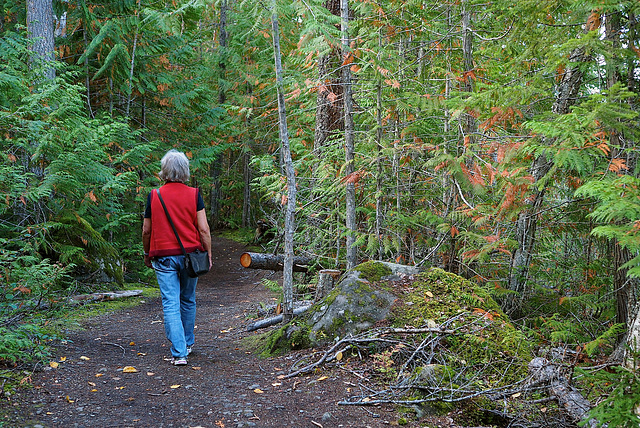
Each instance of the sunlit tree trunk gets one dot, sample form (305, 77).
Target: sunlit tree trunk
(379, 169)
(289, 226)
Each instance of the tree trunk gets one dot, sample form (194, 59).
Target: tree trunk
(349, 140)
(246, 199)
(379, 170)
(40, 30)
(289, 224)
(329, 117)
(215, 169)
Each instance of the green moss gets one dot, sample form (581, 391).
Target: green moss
(486, 339)
(294, 335)
(373, 271)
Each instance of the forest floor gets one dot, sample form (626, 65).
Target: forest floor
(224, 385)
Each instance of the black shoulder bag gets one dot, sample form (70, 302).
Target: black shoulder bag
(197, 262)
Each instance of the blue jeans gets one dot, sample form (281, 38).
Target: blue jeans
(178, 302)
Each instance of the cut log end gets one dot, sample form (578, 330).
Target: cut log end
(245, 260)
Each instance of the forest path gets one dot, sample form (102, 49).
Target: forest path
(223, 385)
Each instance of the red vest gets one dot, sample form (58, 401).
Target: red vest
(181, 201)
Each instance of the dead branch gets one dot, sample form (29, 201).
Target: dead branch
(274, 320)
(576, 406)
(375, 335)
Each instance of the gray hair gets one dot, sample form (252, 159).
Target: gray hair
(174, 166)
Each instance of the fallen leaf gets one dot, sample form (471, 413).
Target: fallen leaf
(281, 376)
(85, 358)
(516, 395)
(196, 368)
(63, 359)
(276, 384)
(129, 369)
(339, 355)
(94, 390)
(366, 400)
(120, 387)
(150, 374)
(92, 383)
(429, 294)
(142, 354)
(53, 364)
(132, 343)
(258, 391)
(323, 378)
(69, 400)
(175, 386)
(99, 374)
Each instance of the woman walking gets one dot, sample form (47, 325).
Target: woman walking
(163, 253)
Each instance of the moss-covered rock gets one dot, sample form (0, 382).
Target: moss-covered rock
(373, 271)
(486, 339)
(485, 351)
(354, 305)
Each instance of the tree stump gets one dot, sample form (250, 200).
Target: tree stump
(326, 281)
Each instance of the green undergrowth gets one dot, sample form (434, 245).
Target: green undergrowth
(27, 341)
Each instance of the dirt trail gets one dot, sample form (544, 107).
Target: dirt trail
(223, 385)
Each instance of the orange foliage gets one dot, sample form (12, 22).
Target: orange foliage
(393, 83)
(617, 164)
(484, 314)
(593, 22)
(502, 117)
(22, 289)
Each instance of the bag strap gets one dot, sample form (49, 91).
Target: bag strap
(171, 222)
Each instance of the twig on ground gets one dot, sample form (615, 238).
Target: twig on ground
(124, 351)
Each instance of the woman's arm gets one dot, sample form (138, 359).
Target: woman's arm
(146, 240)
(205, 232)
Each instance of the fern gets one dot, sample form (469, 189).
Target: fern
(608, 338)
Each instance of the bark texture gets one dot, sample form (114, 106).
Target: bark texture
(40, 30)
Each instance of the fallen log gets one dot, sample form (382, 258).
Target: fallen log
(576, 406)
(107, 295)
(273, 262)
(267, 322)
